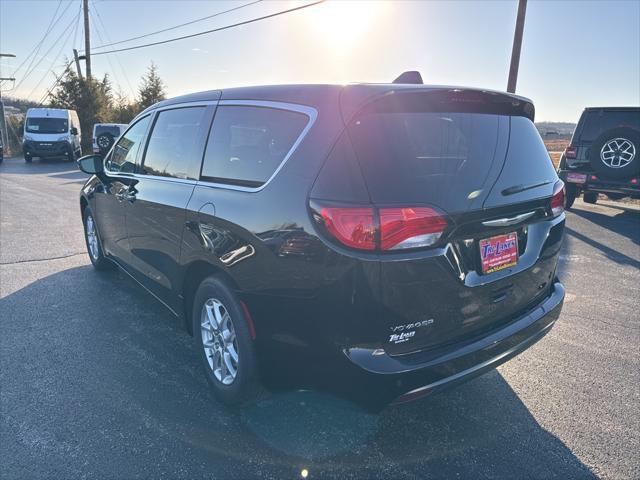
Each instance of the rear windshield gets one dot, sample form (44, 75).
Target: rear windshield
(439, 158)
(594, 122)
(46, 125)
(114, 131)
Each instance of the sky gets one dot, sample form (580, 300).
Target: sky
(574, 54)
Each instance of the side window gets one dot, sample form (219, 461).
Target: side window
(174, 149)
(123, 155)
(248, 144)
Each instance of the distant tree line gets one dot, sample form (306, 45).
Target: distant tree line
(95, 101)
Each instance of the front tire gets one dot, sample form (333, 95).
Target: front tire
(92, 240)
(224, 342)
(28, 158)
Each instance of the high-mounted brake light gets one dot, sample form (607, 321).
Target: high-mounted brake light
(571, 152)
(558, 199)
(393, 228)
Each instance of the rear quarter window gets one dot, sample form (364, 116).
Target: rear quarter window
(247, 144)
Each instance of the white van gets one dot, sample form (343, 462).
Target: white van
(51, 132)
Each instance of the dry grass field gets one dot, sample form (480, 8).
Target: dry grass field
(555, 147)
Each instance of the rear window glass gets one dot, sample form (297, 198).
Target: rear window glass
(438, 158)
(114, 131)
(595, 122)
(248, 144)
(174, 149)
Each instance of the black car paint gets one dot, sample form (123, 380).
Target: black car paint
(324, 303)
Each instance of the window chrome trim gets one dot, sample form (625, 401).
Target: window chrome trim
(310, 112)
(134, 122)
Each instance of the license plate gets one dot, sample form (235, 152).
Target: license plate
(499, 252)
(576, 177)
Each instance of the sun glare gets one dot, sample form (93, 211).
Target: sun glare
(341, 24)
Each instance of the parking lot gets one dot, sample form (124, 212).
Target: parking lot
(98, 380)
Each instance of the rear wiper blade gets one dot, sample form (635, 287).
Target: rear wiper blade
(522, 188)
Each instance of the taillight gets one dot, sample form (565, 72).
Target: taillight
(411, 227)
(392, 228)
(558, 199)
(571, 152)
(634, 181)
(354, 227)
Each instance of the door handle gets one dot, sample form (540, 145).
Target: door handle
(125, 194)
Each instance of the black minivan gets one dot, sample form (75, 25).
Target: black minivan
(383, 241)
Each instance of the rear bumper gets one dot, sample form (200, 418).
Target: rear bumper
(596, 184)
(400, 379)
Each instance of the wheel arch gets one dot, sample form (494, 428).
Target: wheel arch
(195, 273)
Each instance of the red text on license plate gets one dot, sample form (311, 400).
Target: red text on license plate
(499, 252)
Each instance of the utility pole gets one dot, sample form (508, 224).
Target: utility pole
(75, 57)
(4, 136)
(517, 46)
(87, 38)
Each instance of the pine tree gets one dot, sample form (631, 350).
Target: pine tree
(152, 88)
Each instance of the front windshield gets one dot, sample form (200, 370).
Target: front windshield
(47, 125)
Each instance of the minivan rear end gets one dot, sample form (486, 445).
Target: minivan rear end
(452, 195)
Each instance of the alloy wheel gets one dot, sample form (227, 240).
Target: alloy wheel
(92, 238)
(219, 341)
(617, 153)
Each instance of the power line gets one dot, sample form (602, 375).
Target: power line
(115, 75)
(178, 26)
(46, 95)
(34, 51)
(53, 45)
(106, 34)
(226, 27)
(64, 43)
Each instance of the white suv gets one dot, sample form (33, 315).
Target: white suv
(105, 135)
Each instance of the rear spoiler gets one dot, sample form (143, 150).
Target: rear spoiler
(442, 99)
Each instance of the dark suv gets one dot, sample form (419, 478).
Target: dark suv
(604, 155)
(383, 241)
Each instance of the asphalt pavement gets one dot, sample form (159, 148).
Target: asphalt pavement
(97, 380)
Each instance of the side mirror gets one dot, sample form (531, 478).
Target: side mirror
(74, 131)
(91, 164)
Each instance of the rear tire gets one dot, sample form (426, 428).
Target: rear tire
(28, 158)
(571, 193)
(219, 322)
(590, 197)
(92, 240)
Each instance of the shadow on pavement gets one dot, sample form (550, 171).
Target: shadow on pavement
(625, 223)
(98, 379)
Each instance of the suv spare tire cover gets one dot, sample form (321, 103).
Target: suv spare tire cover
(615, 153)
(104, 142)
